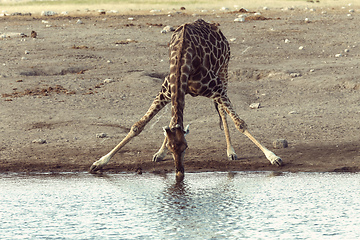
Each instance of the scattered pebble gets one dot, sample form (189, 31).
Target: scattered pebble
(307, 20)
(254, 105)
(338, 55)
(301, 47)
(109, 80)
(39, 141)
(295, 74)
(346, 50)
(101, 135)
(27, 52)
(287, 41)
(280, 143)
(232, 39)
(48, 13)
(293, 112)
(167, 29)
(101, 11)
(240, 18)
(131, 19)
(79, 22)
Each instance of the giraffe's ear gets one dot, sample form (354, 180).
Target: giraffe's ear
(187, 131)
(167, 131)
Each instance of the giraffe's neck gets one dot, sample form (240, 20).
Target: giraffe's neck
(180, 60)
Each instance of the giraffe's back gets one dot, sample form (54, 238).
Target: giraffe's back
(205, 54)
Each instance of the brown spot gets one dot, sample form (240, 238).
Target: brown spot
(212, 84)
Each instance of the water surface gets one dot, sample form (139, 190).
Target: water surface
(204, 206)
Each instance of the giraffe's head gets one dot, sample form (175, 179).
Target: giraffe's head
(177, 145)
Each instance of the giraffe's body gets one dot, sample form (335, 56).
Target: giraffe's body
(199, 56)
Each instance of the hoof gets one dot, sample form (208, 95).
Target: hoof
(232, 157)
(277, 161)
(94, 168)
(157, 158)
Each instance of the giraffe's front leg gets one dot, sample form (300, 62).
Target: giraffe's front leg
(160, 101)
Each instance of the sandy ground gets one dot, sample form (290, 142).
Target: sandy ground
(58, 114)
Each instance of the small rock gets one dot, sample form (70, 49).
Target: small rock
(232, 39)
(39, 141)
(101, 11)
(167, 29)
(27, 52)
(280, 143)
(254, 105)
(101, 135)
(338, 55)
(131, 19)
(293, 112)
(138, 170)
(265, 8)
(351, 10)
(287, 41)
(307, 20)
(346, 50)
(33, 34)
(301, 48)
(79, 22)
(48, 13)
(294, 75)
(109, 80)
(240, 19)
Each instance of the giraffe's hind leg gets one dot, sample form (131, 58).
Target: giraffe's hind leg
(225, 103)
(229, 149)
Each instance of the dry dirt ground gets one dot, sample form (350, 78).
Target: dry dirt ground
(52, 88)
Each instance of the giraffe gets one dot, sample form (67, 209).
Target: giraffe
(199, 56)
